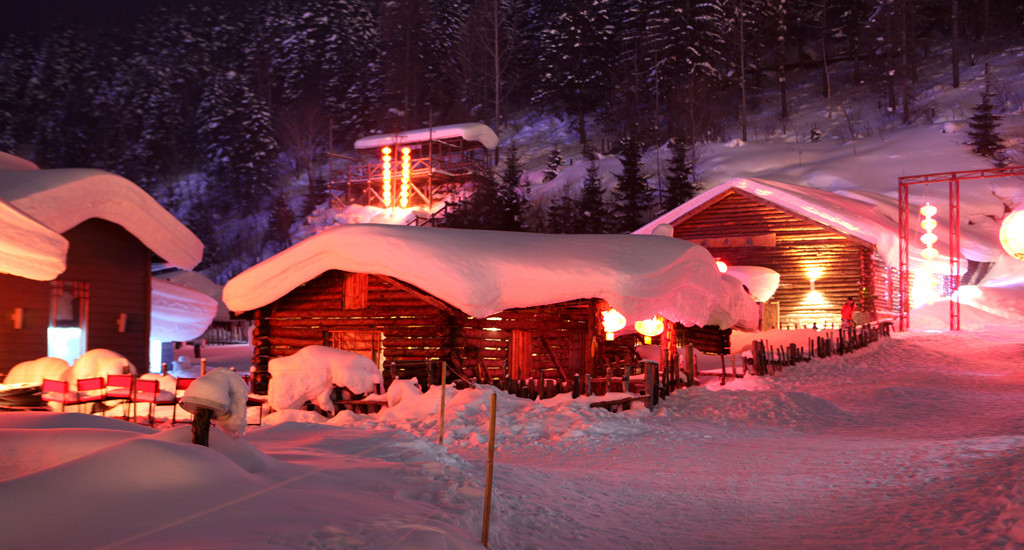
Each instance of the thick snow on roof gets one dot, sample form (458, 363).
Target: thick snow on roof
(11, 162)
(471, 131)
(484, 272)
(867, 216)
(179, 313)
(63, 198)
(28, 248)
(197, 281)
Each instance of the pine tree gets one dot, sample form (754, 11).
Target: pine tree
(984, 129)
(555, 161)
(479, 210)
(512, 199)
(680, 184)
(632, 195)
(562, 214)
(575, 56)
(236, 138)
(281, 220)
(592, 210)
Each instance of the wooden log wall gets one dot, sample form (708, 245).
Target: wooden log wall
(411, 328)
(556, 339)
(799, 244)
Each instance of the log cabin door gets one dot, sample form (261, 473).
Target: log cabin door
(368, 343)
(554, 353)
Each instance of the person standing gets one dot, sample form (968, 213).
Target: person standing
(846, 313)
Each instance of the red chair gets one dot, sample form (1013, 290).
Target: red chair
(180, 386)
(90, 390)
(148, 391)
(120, 387)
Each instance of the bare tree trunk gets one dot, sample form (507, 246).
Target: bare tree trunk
(905, 66)
(782, 60)
(740, 15)
(955, 23)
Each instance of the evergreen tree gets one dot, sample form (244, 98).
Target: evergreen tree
(281, 220)
(236, 138)
(680, 184)
(479, 210)
(632, 195)
(562, 214)
(592, 210)
(555, 161)
(984, 129)
(512, 199)
(576, 50)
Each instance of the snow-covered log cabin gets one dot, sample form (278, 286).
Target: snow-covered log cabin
(527, 301)
(102, 234)
(825, 246)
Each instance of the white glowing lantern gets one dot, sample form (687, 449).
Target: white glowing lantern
(722, 268)
(650, 328)
(385, 154)
(929, 238)
(1011, 233)
(612, 321)
(403, 193)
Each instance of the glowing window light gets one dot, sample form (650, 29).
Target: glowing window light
(929, 225)
(815, 273)
(612, 321)
(1011, 233)
(722, 268)
(386, 175)
(649, 328)
(403, 192)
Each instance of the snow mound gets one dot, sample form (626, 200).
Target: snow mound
(34, 371)
(311, 374)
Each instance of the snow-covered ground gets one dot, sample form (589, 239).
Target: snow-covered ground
(914, 442)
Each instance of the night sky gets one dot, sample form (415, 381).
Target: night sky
(38, 15)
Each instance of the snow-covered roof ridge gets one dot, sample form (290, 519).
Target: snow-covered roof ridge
(469, 131)
(178, 313)
(484, 272)
(28, 248)
(867, 216)
(63, 198)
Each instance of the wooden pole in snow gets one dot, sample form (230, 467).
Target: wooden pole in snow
(490, 471)
(440, 434)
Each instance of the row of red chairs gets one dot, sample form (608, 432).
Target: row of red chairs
(119, 388)
(129, 390)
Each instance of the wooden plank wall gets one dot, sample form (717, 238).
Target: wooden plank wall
(799, 244)
(413, 329)
(29, 342)
(117, 267)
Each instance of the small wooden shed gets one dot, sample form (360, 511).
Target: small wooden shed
(102, 292)
(524, 302)
(825, 246)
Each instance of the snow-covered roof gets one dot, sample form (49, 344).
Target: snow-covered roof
(60, 199)
(870, 217)
(179, 313)
(470, 131)
(199, 282)
(484, 272)
(28, 248)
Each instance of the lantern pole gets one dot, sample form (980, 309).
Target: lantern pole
(953, 178)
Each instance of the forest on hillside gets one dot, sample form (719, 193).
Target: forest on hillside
(241, 97)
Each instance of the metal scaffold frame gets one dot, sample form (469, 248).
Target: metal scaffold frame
(953, 179)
